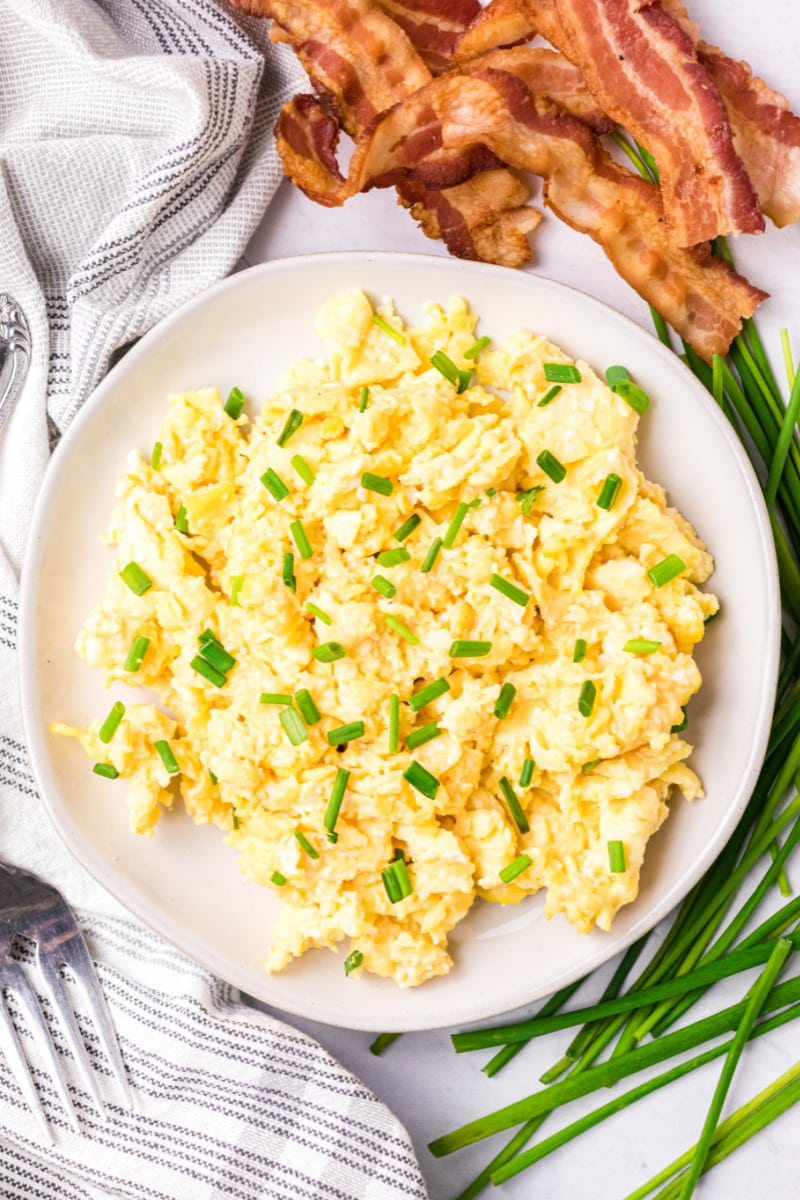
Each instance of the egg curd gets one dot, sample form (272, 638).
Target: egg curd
(420, 634)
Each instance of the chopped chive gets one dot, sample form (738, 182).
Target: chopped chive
(453, 374)
(137, 579)
(303, 469)
(391, 558)
(209, 672)
(363, 399)
(609, 491)
(467, 649)
(181, 523)
(318, 612)
(590, 766)
(510, 590)
(527, 499)
(426, 733)
(476, 503)
(234, 820)
(401, 629)
(136, 653)
(164, 751)
(476, 347)
(235, 403)
(300, 538)
(550, 396)
(308, 709)
(551, 466)
(401, 875)
(514, 806)
(615, 375)
(634, 396)
(526, 774)
(510, 872)
(345, 733)
(432, 555)
(586, 698)
(293, 726)
(394, 334)
(303, 841)
(106, 770)
(491, 492)
(207, 636)
(384, 586)
(275, 698)
(399, 853)
(332, 837)
(155, 457)
(377, 483)
(504, 701)
(431, 691)
(579, 653)
(287, 572)
(218, 657)
(328, 652)
(335, 802)
(212, 777)
(684, 723)
(669, 568)
(640, 646)
(422, 780)
(561, 373)
(236, 587)
(456, 521)
(293, 423)
(396, 881)
(353, 961)
(274, 484)
(616, 856)
(278, 879)
(408, 527)
(109, 726)
(394, 723)
(391, 885)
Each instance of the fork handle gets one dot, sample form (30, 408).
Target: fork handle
(15, 354)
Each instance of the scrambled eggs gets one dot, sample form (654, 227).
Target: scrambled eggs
(560, 610)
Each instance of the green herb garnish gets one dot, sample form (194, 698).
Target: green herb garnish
(609, 491)
(432, 555)
(137, 580)
(421, 779)
(305, 703)
(510, 872)
(377, 483)
(164, 751)
(109, 726)
(394, 334)
(431, 691)
(274, 484)
(106, 770)
(514, 806)
(401, 629)
(504, 701)
(328, 652)
(293, 726)
(453, 374)
(408, 527)
(669, 568)
(551, 466)
(303, 469)
(293, 423)
(426, 733)
(136, 654)
(343, 734)
(234, 404)
(392, 558)
(467, 649)
(510, 590)
(561, 373)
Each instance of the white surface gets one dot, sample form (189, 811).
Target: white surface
(238, 333)
(430, 1088)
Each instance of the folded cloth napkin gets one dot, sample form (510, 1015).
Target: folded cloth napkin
(137, 157)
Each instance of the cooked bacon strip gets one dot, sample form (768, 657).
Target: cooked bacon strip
(363, 63)
(548, 74)
(766, 133)
(643, 70)
(432, 26)
(507, 22)
(697, 293)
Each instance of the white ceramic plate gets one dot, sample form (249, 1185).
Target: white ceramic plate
(185, 882)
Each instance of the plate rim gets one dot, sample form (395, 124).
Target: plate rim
(35, 736)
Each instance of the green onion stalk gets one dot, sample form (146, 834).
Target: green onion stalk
(632, 1022)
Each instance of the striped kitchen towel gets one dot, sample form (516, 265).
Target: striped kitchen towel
(136, 157)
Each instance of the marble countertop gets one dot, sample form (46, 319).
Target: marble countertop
(420, 1078)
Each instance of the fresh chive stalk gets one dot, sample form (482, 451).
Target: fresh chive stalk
(236, 586)
(278, 879)
(526, 775)
(456, 521)
(609, 491)
(394, 334)
(343, 734)
(305, 844)
(425, 733)
(408, 527)
(274, 484)
(293, 726)
(377, 483)
(394, 723)
(329, 652)
(453, 374)
(384, 586)
(561, 373)
(393, 558)
(300, 539)
(641, 646)
(363, 399)
(668, 569)
(306, 706)
(579, 651)
(616, 857)
(554, 469)
(106, 770)
(421, 779)
(336, 798)
(287, 572)
(283, 698)
(468, 649)
(514, 869)
(353, 961)
(401, 629)
(432, 555)
(550, 396)
(586, 698)
(155, 457)
(215, 654)
(319, 613)
(136, 578)
(209, 672)
(382, 1042)
(164, 751)
(527, 499)
(514, 806)
(476, 348)
(502, 705)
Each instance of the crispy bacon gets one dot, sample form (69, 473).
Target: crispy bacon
(766, 133)
(507, 22)
(432, 26)
(548, 74)
(362, 63)
(643, 70)
(698, 294)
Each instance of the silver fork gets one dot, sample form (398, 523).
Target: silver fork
(15, 354)
(32, 909)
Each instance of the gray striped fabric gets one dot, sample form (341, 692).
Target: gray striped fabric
(137, 157)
